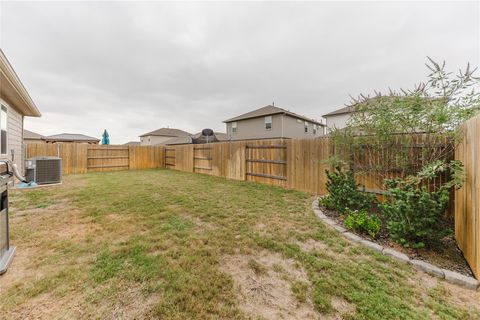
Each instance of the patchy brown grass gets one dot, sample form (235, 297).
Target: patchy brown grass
(147, 244)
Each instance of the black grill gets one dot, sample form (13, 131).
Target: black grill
(6, 251)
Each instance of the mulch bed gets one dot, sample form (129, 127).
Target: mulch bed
(447, 255)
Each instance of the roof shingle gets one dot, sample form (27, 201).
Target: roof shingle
(71, 137)
(166, 132)
(270, 110)
(30, 135)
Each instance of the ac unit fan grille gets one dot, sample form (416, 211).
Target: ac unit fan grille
(48, 171)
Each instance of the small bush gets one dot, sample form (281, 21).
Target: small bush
(344, 194)
(414, 214)
(362, 221)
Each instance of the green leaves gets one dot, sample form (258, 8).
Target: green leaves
(408, 129)
(344, 193)
(362, 221)
(415, 214)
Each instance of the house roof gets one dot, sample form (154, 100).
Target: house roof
(132, 143)
(219, 136)
(13, 90)
(270, 110)
(71, 137)
(166, 132)
(344, 110)
(32, 135)
(352, 108)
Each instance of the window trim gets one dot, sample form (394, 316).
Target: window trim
(271, 123)
(2, 106)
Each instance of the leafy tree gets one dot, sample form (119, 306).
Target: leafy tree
(403, 131)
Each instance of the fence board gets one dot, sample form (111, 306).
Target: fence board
(82, 158)
(146, 157)
(467, 198)
(107, 158)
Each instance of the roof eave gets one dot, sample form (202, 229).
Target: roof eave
(13, 86)
(252, 117)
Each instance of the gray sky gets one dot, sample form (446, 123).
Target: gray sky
(133, 67)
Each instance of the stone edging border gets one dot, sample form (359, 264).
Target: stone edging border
(450, 276)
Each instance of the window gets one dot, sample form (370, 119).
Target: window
(314, 129)
(268, 123)
(234, 127)
(3, 128)
(306, 127)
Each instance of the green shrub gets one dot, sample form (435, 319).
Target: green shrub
(344, 194)
(362, 221)
(414, 214)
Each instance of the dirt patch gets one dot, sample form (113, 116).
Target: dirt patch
(466, 298)
(268, 294)
(20, 269)
(47, 306)
(129, 303)
(342, 306)
(313, 245)
(57, 222)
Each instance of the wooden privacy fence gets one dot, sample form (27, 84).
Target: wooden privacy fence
(83, 158)
(467, 198)
(295, 164)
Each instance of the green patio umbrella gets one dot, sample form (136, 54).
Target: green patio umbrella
(105, 137)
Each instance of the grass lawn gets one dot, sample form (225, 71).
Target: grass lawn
(172, 245)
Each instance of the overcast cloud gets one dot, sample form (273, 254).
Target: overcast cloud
(133, 67)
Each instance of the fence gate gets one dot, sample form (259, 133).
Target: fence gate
(266, 164)
(169, 157)
(107, 158)
(202, 160)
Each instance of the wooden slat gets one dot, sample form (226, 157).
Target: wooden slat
(107, 166)
(109, 157)
(267, 161)
(266, 146)
(107, 148)
(202, 168)
(467, 198)
(266, 176)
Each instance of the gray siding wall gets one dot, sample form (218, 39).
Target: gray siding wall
(255, 128)
(283, 126)
(338, 121)
(14, 135)
(153, 140)
(295, 129)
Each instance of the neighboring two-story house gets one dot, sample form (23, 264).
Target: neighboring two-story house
(160, 136)
(338, 119)
(272, 122)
